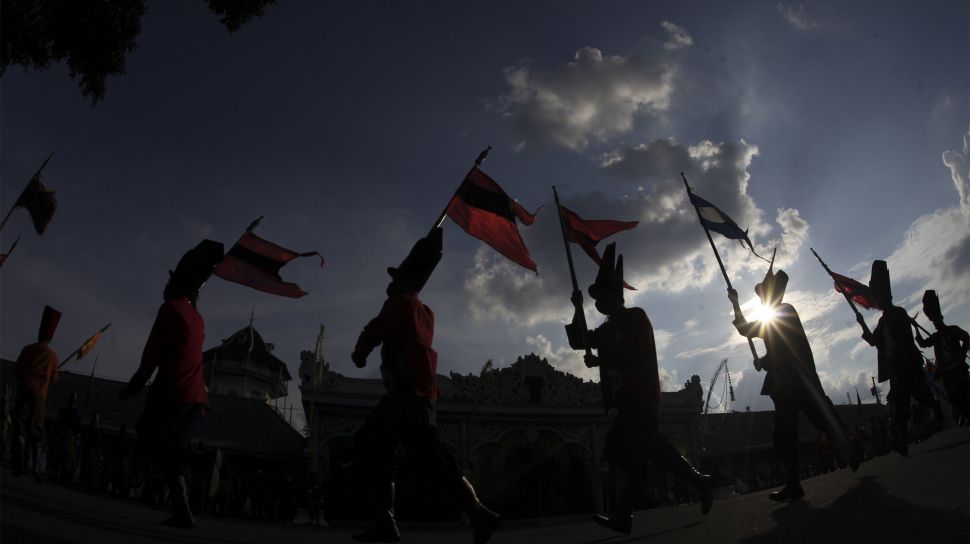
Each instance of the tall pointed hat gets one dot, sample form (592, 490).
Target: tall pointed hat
(609, 278)
(772, 287)
(879, 281)
(420, 261)
(48, 323)
(931, 305)
(195, 267)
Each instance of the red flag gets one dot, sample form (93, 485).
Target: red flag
(859, 293)
(256, 263)
(40, 203)
(588, 232)
(483, 209)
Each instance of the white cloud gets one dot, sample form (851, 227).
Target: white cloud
(563, 358)
(677, 36)
(960, 172)
(796, 16)
(594, 97)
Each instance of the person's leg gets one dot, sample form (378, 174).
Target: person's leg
(785, 436)
(667, 456)
(900, 409)
(819, 410)
(423, 442)
(374, 445)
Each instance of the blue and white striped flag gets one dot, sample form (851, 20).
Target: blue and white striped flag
(713, 219)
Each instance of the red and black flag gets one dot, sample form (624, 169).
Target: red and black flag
(486, 212)
(255, 262)
(588, 232)
(39, 202)
(858, 292)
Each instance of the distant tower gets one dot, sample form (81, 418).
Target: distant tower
(244, 366)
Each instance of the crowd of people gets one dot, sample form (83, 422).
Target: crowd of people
(161, 466)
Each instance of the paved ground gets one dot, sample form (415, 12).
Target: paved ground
(922, 498)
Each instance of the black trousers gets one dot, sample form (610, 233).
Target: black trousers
(165, 434)
(818, 409)
(403, 424)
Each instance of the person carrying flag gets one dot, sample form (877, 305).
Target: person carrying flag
(176, 400)
(406, 414)
(950, 344)
(36, 370)
(791, 381)
(627, 353)
(898, 358)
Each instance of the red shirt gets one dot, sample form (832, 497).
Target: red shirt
(405, 321)
(174, 347)
(37, 367)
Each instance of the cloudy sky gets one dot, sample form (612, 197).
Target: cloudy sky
(842, 127)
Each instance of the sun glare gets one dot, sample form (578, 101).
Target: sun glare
(762, 313)
(754, 311)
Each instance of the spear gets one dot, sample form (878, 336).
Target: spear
(5, 256)
(572, 276)
(727, 280)
(858, 315)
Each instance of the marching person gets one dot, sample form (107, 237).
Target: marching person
(176, 400)
(627, 353)
(898, 358)
(406, 414)
(950, 344)
(36, 370)
(791, 379)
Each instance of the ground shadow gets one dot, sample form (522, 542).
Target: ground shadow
(866, 512)
(617, 539)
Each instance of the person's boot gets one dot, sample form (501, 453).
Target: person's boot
(792, 490)
(385, 528)
(484, 521)
(621, 522)
(703, 483)
(181, 513)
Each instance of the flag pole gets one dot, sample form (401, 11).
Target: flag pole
(87, 400)
(478, 162)
(14, 207)
(572, 276)
(727, 280)
(10, 252)
(78, 350)
(858, 314)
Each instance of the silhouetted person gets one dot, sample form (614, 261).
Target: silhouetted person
(406, 414)
(62, 452)
(91, 447)
(791, 379)
(176, 399)
(899, 360)
(36, 370)
(627, 353)
(950, 344)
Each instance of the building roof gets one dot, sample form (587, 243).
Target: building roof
(239, 425)
(247, 343)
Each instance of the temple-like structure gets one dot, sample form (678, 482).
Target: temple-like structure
(528, 435)
(244, 366)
